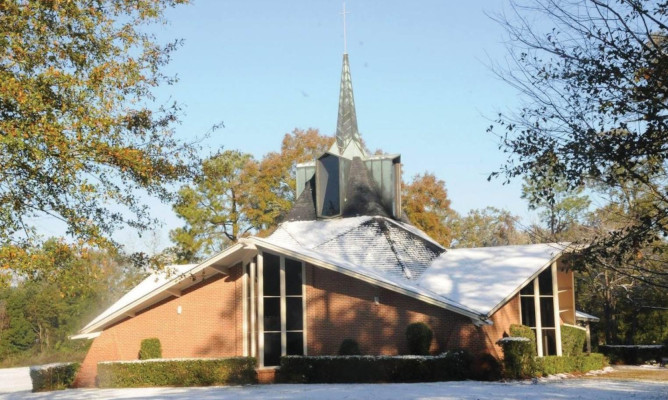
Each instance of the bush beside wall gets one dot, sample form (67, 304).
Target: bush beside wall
(454, 365)
(418, 336)
(53, 376)
(550, 365)
(183, 372)
(150, 349)
(572, 340)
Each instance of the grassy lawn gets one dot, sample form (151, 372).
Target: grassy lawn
(623, 372)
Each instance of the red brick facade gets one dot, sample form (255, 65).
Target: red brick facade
(340, 307)
(210, 325)
(337, 307)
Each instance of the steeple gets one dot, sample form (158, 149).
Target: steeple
(346, 124)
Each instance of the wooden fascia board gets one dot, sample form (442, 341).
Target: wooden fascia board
(140, 303)
(332, 267)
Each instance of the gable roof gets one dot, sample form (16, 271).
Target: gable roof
(485, 278)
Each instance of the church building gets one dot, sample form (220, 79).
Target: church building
(345, 263)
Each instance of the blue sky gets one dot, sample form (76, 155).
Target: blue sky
(420, 76)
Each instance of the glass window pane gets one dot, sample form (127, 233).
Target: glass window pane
(271, 274)
(295, 343)
(272, 349)
(547, 312)
(528, 311)
(293, 277)
(272, 314)
(545, 282)
(549, 342)
(528, 289)
(295, 320)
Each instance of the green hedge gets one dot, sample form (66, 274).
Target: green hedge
(418, 336)
(550, 365)
(53, 376)
(454, 365)
(572, 340)
(518, 357)
(184, 372)
(633, 354)
(150, 349)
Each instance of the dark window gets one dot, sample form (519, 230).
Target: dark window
(272, 314)
(549, 342)
(271, 273)
(547, 312)
(272, 348)
(528, 311)
(295, 319)
(545, 282)
(293, 277)
(328, 186)
(295, 343)
(527, 290)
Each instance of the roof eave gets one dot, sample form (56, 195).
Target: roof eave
(162, 292)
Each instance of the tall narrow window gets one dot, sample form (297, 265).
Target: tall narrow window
(271, 276)
(537, 305)
(283, 299)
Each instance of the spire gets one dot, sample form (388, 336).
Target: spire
(346, 124)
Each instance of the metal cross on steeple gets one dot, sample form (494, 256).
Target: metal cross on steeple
(345, 42)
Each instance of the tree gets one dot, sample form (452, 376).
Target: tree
(233, 195)
(595, 93)
(488, 227)
(273, 193)
(426, 204)
(215, 207)
(81, 135)
(561, 209)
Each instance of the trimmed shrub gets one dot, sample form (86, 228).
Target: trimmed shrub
(150, 349)
(53, 376)
(486, 367)
(632, 354)
(349, 347)
(550, 365)
(418, 336)
(518, 357)
(454, 365)
(184, 372)
(572, 340)
(526, 332)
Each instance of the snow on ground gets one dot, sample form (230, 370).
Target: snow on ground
(561, 389)
(15, 380)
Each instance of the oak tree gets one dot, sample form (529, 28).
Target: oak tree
(426, 204)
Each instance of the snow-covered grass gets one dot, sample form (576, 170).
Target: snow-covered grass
(543, 389)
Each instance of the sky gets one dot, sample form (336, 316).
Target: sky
(420, 73)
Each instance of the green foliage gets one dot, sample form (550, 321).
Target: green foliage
(525, 332)
(550, 365)
(82, 139)
(519, 355)
(418, 337)
(572, 340)
(186, 372)
(150, 349)
(449, 366)
(488, 227)
(593, 118)
(633, 355)
(349, 347)
(53, 377)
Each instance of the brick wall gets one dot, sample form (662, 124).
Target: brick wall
(340, 307)
(210, 325)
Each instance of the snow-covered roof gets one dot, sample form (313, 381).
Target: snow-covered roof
(484, 278)
(148, 285)
(478, 279)
(583, 316)
(163, 284)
